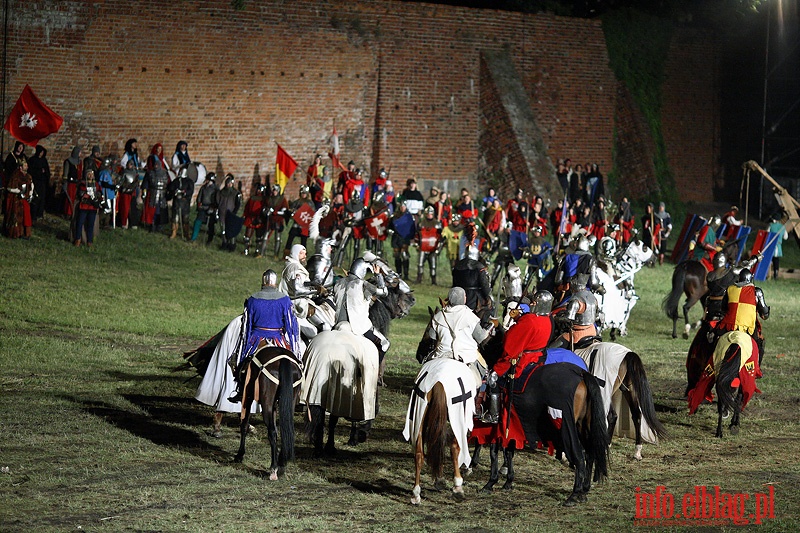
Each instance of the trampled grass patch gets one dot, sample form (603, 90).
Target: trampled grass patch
(100, 433)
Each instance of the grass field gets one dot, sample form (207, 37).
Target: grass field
(99, 433)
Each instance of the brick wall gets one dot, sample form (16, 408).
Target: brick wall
(401, 81)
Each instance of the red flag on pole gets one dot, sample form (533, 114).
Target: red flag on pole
(31, 120)
(284, 167)
(303, 217)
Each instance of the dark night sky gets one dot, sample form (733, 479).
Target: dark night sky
(742, 36)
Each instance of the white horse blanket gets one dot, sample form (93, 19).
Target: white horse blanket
(218, 383)
(616, 303)
(341, 374)
(604, 360)
(459, 387)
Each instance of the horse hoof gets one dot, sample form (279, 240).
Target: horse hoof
(439, 485)
(508, 486)
(330, 452)
(251, 430)
(238, 459)
(362, 436)
(685, 335)
(674, 335)
(504, 471)
(571, 502)
(416, 500)
(273, 476)
(217, 434)
(734, 430)
(458, 494)
(637, 456)
(487, 489)
(352, 442)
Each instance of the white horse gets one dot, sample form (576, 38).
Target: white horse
(341, 377)
(617, 279)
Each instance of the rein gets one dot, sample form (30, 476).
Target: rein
(262, 368)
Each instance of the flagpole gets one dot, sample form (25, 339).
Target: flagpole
(5, 74)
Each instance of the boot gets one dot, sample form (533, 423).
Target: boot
(398, 265)
(492, 416)
(186, 233)
(405, 269)
(246, 250)
(433, 279)
(419, 276)
(174, 230)
(196, 229)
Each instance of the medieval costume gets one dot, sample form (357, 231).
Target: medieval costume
(89, 200)
(181, 156)
(39, 170)
(206, 207)
(181, 190)
(428, 237)
(471, 275)
(154, 189)
(19, 191)
(128, 190)
(254, 220)
(73, 172)
(229, 200)
(403, 228)
(298, 230)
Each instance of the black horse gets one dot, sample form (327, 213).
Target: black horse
(273, 378)
(583, 434)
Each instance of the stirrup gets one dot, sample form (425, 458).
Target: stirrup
(236, 398)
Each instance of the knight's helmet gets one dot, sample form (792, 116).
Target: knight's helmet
(229, 179)
(261, 189)
(429, 210)
(360, 267)
(304, 189)
(324, 247)
(542, 303)
(715, 222)
(276, 189)
(183, 172)
(318, 269)
(107, 162)
(582, 308)
(512, 284)
(583, 244)
(579, 282)
(455, 218)
(212, 177)
(608, 248)
(745, 278)
(269, 279)
(720, 261)
(473, 252)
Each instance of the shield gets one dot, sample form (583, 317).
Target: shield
(233, 224)
(376, 225)
(428, 238)
(196, 172)
(302, 217)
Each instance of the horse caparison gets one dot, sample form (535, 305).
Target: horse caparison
(279, 399)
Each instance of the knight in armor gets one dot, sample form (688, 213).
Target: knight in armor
(128, 190)
(524, 344)
(666, 229)
(295, 279)
(354, 295)
(181, 190)
(109, 187)
(354, 215)
(254, 222)
(718, 281)
(743, 305)
(154, 190)
(577, 317)
(428, 239)
(651, 230)
(471, 275)
(296, 230)
(319, 265)
(206, 207)
(277, 206)
(451, 235)
(229, 200)
(268, 320)
(538, 256)
(574, 264)
(403, 228)
(458, 332)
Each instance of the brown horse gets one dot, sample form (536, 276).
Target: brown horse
(273, 377)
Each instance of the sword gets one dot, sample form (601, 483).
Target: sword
(511, 393)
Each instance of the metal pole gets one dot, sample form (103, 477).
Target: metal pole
(5, 75)
(764, 115)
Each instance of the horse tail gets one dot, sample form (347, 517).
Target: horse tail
(434, 430)
(670, 303)
(640, 390)
(728, 371)
(286, 407)
(599, 439)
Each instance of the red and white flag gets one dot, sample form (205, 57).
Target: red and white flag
(31, 120)
(334, 153)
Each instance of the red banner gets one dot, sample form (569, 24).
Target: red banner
(376, 225)
(302, 217)
(31, 120)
